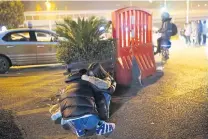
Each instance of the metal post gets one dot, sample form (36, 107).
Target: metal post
(187, 10)
(130, 2)
(165, 3)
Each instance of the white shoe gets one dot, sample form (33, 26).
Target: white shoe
(105, 128)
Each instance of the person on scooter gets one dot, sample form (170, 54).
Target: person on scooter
(165, 30)
(81, 108)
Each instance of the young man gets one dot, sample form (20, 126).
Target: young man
(81, 107)
(204, 33)
(165, 30)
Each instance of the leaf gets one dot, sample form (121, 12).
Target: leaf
(11, 13)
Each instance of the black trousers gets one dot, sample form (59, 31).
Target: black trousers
(199, 38)
(188, 39)
(204, 39)
(159, 44)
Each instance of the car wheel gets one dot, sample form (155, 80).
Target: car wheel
(4, 65)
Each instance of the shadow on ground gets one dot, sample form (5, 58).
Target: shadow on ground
(8, 128)
(124, 94)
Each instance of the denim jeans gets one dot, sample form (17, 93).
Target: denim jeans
(82, 126)
(88, 125)
(107, 99)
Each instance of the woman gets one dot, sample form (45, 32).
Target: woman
(194, 33)
(188, 33)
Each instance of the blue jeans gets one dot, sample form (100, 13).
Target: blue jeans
(82, 126)
(107, 99)
(88, 125)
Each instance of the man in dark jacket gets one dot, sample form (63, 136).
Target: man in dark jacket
(82, 109)
(165, 30)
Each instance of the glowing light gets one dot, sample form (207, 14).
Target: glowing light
(198, 5)
(3, 28)
(48, 5)
(163, 9)
(101, 28)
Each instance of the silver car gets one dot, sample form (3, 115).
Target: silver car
(27, 47)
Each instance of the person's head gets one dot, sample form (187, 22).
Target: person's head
(75, 76)
(165, 16)
(82, 71)
(95, 69)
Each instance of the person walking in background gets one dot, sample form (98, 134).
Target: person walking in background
(199, 32)
(204, 33)
(188, 33)
(194, 32)
(182, 34)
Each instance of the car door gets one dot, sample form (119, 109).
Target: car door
(20, 49)
(45, 43)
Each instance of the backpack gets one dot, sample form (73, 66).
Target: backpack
(174, 29)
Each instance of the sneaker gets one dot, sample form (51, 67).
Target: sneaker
(56, 116)
(105, 128)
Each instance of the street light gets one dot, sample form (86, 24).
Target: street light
(163, 9)
(187, 11)
(48, 5)
(165, 3)
(130, 3)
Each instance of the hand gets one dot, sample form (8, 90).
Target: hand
(111, 89)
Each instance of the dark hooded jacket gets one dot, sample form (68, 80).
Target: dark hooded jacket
(80, 98)
(166, 29)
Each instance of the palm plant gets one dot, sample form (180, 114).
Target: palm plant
(83, 39)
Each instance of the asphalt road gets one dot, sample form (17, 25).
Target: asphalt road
(172, 105)
(175, 107)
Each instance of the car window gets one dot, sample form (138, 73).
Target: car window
(17, 36)
(45, 37)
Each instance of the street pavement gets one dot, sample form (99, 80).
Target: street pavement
(173, 104)
(175, 107)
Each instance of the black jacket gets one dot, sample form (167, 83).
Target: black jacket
(78, 99)
(166, 29)
(81, 97)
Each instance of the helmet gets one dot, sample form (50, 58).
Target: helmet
(165, 16)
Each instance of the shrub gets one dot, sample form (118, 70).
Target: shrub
(83, 40)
